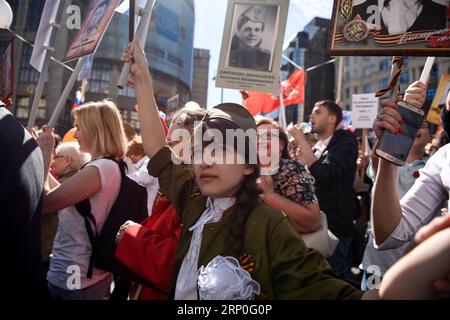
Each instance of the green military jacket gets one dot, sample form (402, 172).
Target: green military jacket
(277, 257)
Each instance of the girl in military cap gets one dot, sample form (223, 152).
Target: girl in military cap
(220, 207)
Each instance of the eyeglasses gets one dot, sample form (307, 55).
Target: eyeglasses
(56, 157)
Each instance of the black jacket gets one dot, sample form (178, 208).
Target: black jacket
(335, 173)
(21, 185)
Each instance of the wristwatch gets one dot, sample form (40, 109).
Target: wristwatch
(122, 230)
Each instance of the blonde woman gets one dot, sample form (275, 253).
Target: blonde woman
(100, 133)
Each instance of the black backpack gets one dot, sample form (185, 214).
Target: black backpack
(131, 204)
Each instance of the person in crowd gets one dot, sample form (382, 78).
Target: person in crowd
(147, 252)
(395, 222)
(66, 161)
(100, 133)
(332, 162)
(220, 209)
(380, 261)
(139, 173)
(400, 16)
(21, 185)
(291, 188)
(246, 51)
(411, 276)
(445, 119)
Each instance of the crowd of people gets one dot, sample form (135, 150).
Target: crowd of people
(213, 196)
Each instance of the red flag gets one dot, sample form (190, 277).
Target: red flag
(293, 90)
(260, 102)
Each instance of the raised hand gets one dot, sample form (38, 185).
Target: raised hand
(139, 66)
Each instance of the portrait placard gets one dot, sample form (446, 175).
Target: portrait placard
(390, 28)
(252, 45)
(88, 37)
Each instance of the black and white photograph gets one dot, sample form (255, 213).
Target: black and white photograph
(380, 27)
(252, 43)
(89, 36)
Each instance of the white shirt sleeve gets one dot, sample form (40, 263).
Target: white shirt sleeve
(423, 201)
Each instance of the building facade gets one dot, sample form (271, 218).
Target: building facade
(370, 74)
(200, 77)
(320, 79)
(295, 51)
(169, 51)
(308, 49)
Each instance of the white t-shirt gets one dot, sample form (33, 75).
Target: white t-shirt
(72, 248)
(140, 175)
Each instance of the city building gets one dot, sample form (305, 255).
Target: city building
(370, 74)
(308, 49)
(169, 50)
(200, 76)
(295, 51)
(320, 83)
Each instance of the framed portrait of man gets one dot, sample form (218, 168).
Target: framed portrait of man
(251, 45)
(94, 26)
(439, 100)
(390, 27)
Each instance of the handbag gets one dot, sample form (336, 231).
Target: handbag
(323, 239)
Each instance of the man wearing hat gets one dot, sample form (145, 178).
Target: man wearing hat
(245, 49)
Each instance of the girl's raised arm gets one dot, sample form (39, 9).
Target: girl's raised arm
(152, 132)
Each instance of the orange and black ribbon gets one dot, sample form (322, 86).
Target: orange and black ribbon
(247, 262)
(394, 79)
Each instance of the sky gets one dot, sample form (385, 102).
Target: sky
(209, 23)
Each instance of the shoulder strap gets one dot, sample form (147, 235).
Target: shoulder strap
(84, 209)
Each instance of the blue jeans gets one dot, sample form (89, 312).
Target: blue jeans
(339, 261)
(97, 291)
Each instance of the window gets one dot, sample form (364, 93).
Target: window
(367, 71)
(368, 88)
(347, 93)
(27, 72)
(99, 82)
(355, 90)
(124, 113)
(34, 13)
(135, 120)
(127, 91)
(383, 83)
(431, 92)
(384, 64)
(404, 78)
(405, 60)
(366, 58)
(23, 107)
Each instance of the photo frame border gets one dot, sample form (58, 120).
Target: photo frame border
(382, 51)
(250, 79)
